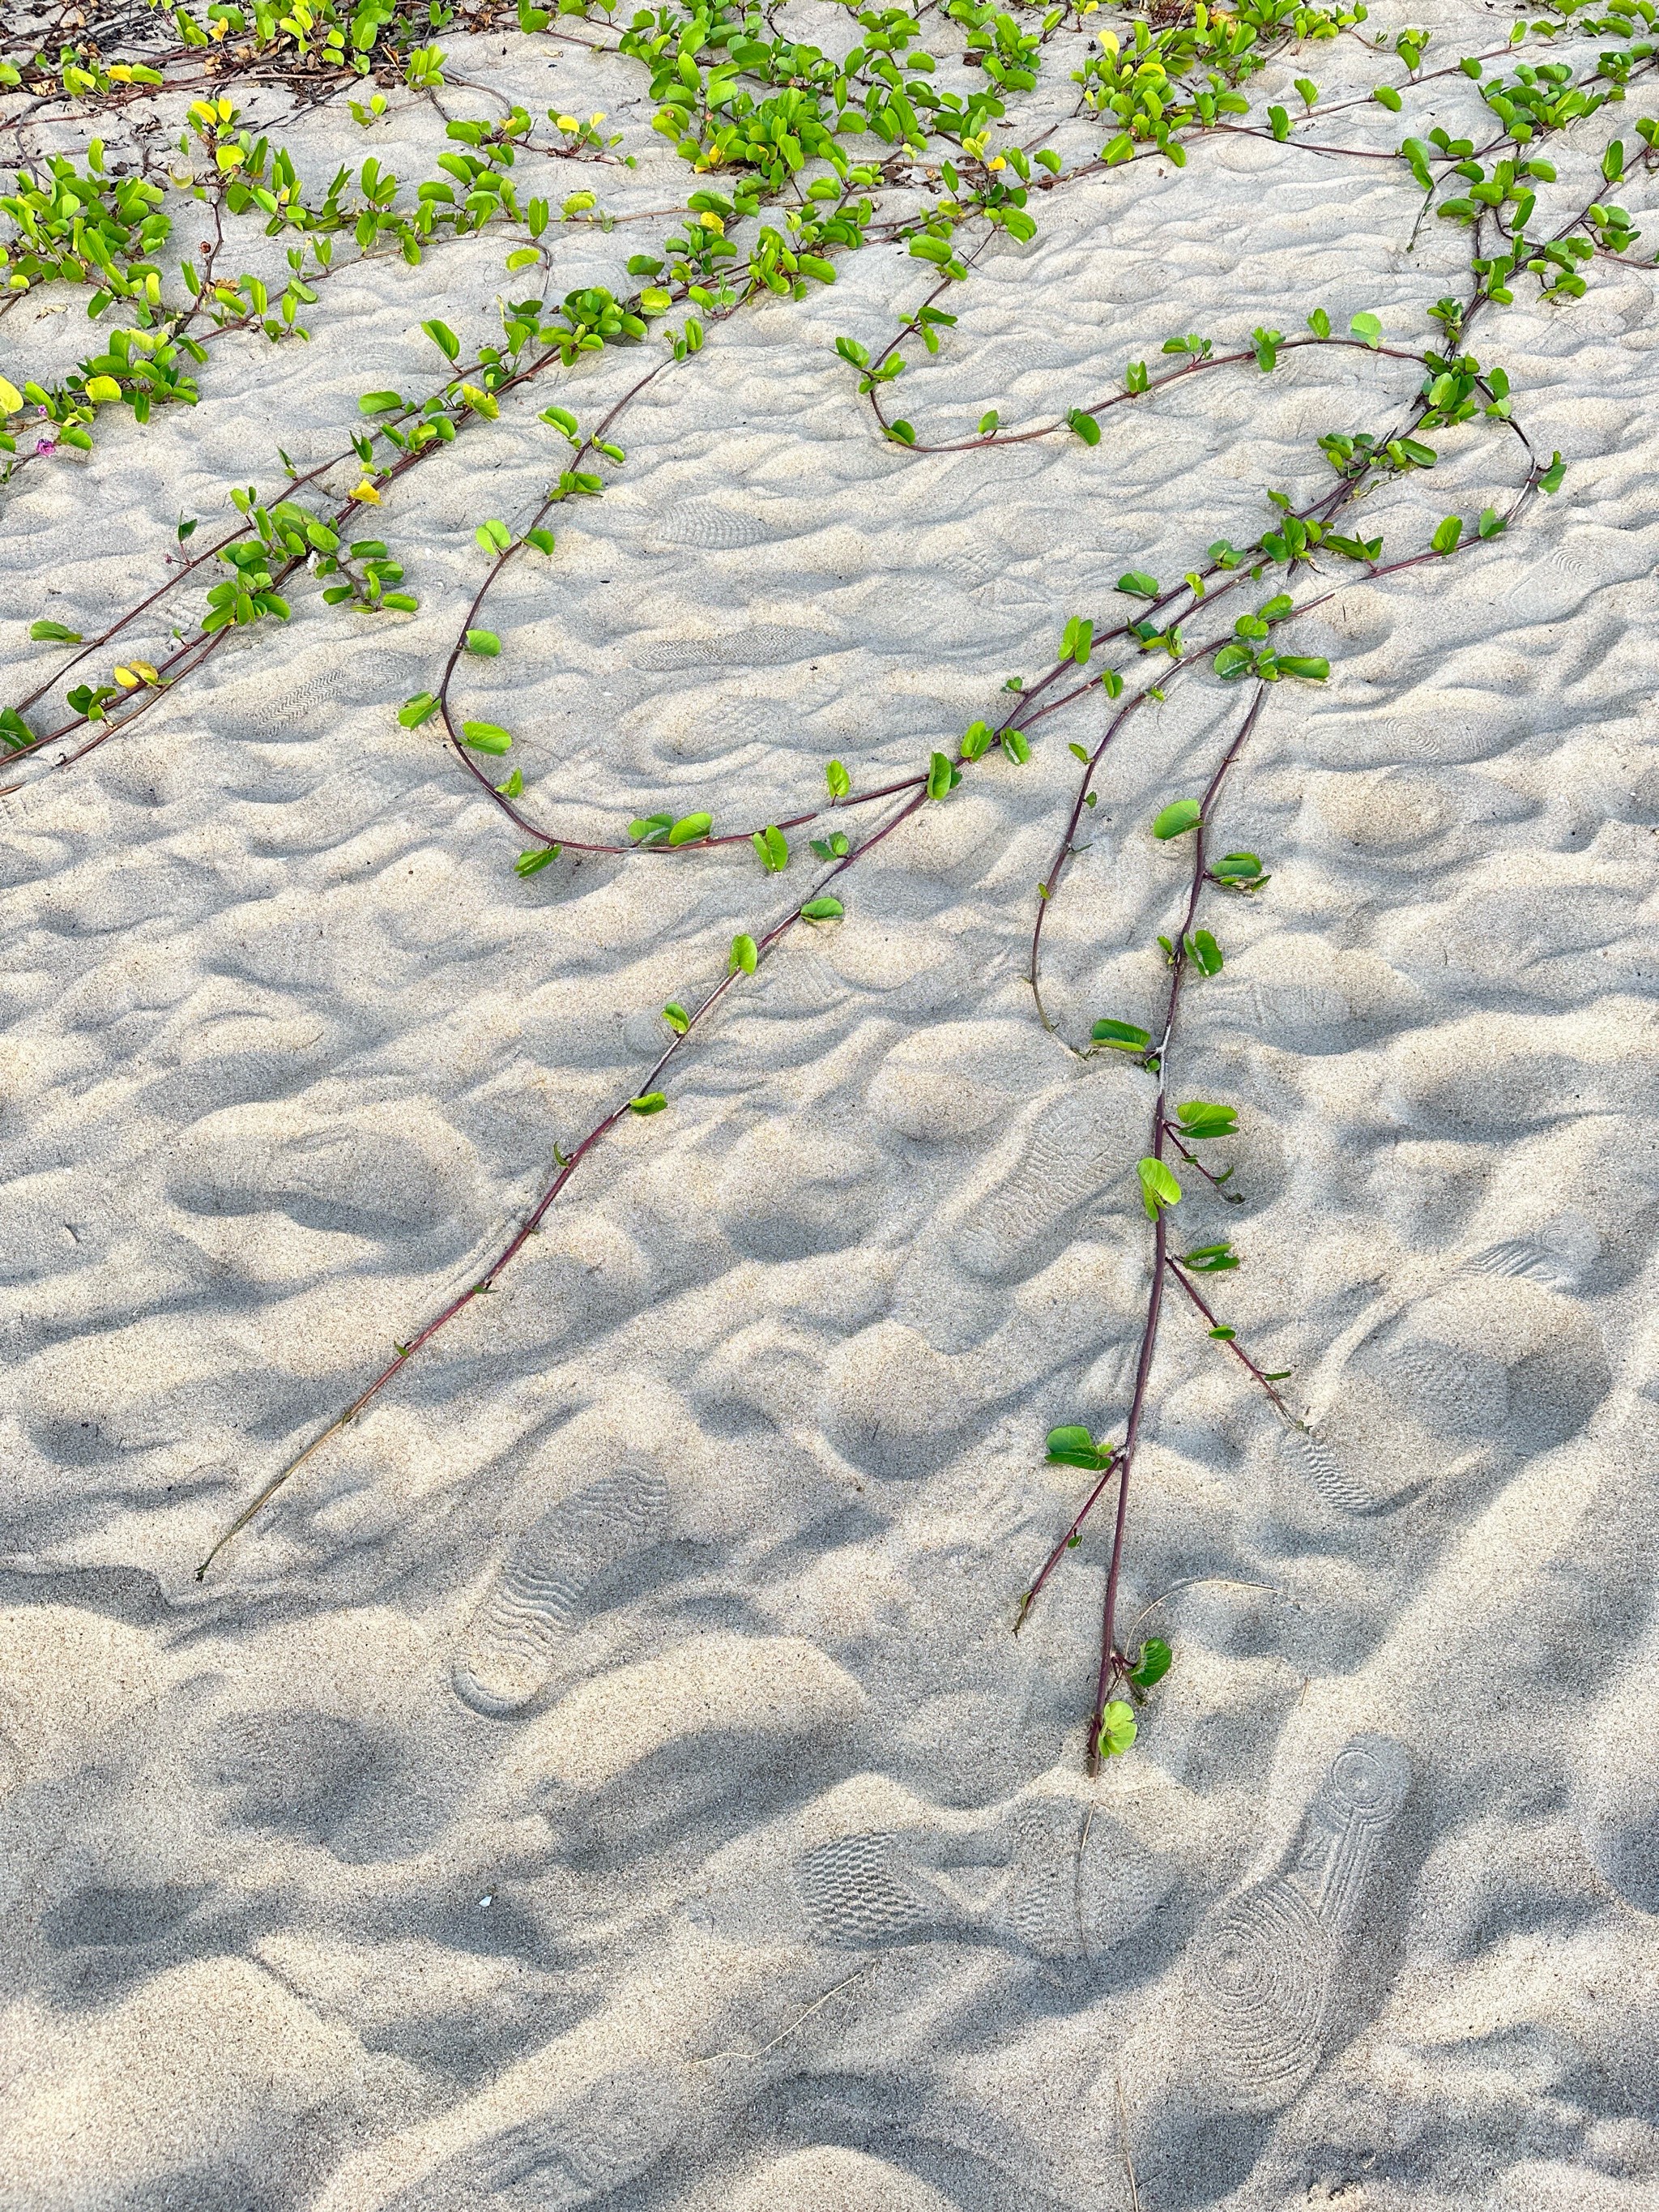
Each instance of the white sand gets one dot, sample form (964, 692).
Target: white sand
(607, 1775)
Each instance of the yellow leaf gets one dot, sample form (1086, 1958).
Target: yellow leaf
(10, 397)
(127, 680)
(143, 668)
(568, 123)
(102, 387)
(367, 493)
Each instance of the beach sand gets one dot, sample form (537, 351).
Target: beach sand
(606, 1775)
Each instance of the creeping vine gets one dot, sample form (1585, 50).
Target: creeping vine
(780, 203)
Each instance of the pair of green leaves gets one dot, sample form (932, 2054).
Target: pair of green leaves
(1211, 1260)
(1158, 1188)
(1073, 1446)
(1239, 872)
(1199, 1117)
(1118, 1730)
(664, 829)
(1120, 1036)
(943, 776)
(978, 737)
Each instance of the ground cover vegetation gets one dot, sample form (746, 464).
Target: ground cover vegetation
(901, 126)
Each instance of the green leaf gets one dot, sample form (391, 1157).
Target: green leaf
(1491, 523)
(1176, 819)
(839, 781)
(1388, 98)
(484, 642)
(1075, 1447)
(1238, 868)
(772, 845)
(444, 338)
(901, 433)
(1198, 1118)
(1313, 667)
(976, 741)
(1320, 323)
(1084, 425)
(1367, 326)
(1447, 534)
(988, 422)
(1204, 953)
(652, 1102)
(379, 402)
(1121, 1036)
(650, 829)
(543, 540)
(690, 827)
(744, 956)
(822, 909)
(1551, 479)
(1210, 1259)
(1117, 1730)
(485, 736)
(942, 776)
(1078, 642)
(1154, 1663)
(421, 708)
(1016, 746)
(1158, 1188)
(514, 787)
(52, 633)
(1139, 585)
(538, 856)
(677, 1018)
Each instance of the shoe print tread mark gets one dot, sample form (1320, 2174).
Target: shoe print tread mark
(1071, 1155)
(860, 1890)
(511, 1645)
(1263, 1966)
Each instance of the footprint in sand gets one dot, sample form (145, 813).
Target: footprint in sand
(1049, 1891)
(539, 1595)
(1263, 1968)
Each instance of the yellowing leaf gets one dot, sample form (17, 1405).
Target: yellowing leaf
(10, 397)
(367, 493)
(127, 678)
(102, 387)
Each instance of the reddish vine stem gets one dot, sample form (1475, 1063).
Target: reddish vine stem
(1066, 1542)
(1113, 1667)
(1231, 1342)
(567, 1165)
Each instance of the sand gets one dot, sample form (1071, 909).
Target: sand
(606, 1775)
